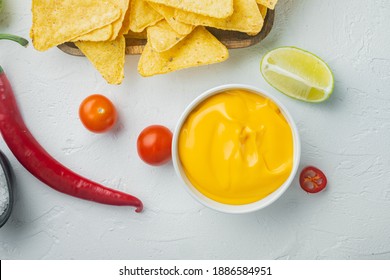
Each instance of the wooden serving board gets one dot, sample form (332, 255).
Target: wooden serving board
(231, 39)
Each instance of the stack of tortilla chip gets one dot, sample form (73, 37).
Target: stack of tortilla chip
(174, 29)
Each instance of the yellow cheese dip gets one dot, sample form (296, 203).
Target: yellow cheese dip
(236, 147)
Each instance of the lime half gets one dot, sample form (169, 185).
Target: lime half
(298, 74)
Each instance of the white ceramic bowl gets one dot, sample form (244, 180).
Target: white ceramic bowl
(228, 208)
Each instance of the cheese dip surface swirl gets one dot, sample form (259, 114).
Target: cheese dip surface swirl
(236, 147)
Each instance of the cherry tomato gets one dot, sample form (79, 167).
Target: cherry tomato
(312, 179)
(154, 145)
(97, 113)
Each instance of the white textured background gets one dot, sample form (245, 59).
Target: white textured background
(348, 137)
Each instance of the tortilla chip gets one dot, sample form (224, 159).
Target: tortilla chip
(136, 35)
(108, 57)
(142, 15)
(198, 48)
(245, 18)
(108, 32)
(102, 34)
(270, 4)
(263, 10)
(211, 8)
(162, 37)
(117, 25)
(169, 14)
(126, 22)
(54, 20)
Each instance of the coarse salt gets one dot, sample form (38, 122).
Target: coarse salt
(4, 194)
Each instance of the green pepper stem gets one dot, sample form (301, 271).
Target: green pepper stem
(23, 42)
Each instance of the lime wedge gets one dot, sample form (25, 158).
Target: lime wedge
(298, 74)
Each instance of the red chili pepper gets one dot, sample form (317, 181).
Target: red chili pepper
(312, 179)
(43, 166)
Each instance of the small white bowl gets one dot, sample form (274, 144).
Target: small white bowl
(228, 208)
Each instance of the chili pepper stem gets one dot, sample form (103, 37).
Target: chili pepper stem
(23, 42)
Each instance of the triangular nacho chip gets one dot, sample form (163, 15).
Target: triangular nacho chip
(136, 35)
(102, 34)
(263, 10)
(142, 15)
(57, 21)
(108, 32)
(169, 14)
(245, 18)
(211, 8)
(108, 57)
(117, 25)
(126, 22)
(199, 48)
(270, 4)
(162, 37)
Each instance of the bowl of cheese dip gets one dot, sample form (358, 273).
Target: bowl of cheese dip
(236, 149)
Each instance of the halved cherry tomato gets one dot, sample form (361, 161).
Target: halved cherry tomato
(154, 145)
(312, 179)
(97, 113)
